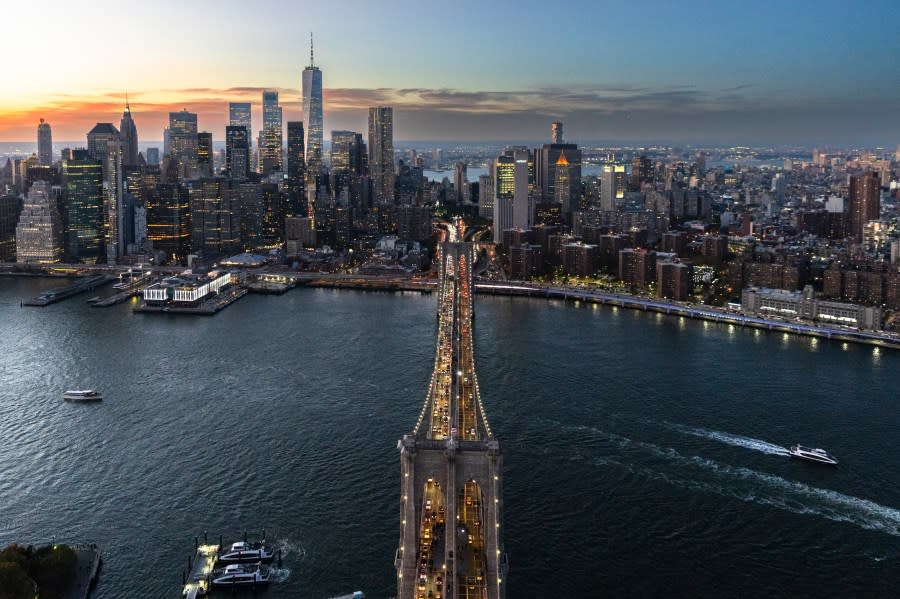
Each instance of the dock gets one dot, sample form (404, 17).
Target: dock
(117, 298)
(200, 566)
(87, 570)
(60, 293)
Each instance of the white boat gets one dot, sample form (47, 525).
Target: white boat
(811, 454)
(239, 575)
(82, 395)
(244, 552)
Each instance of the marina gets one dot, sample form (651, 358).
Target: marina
(238, 565)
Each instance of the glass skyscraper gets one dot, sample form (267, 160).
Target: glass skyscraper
(239, 116)
(45, 143)
(312, 117)
(84, 223)
(270, 138)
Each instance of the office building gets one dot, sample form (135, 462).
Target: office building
(641, 172)
(313, 123)
(152, 156)
(10, 207)
(296, 169)
(270, 137)
(83, 212)
(486, 196)
(205, 154)
(237, 152)
(865, 202)
(239, 115)
(39, 232)
(98, 141)
(183, 143)
(215, 217)
(129, 137)
(612, 188)
(45, 143)
(381, 154)
(169, 221)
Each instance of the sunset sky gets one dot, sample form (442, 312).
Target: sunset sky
(720, 72)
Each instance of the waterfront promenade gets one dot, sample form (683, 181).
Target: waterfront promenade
(579, 294)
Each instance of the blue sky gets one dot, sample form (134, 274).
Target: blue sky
(732, 72)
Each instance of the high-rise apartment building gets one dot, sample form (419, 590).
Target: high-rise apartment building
(10, 207)
(84, 203)
(865, 202)
(461, 183)
(239, 115)
(39, 232)
(556, 132)
(45, 143)
(183, 143)
(381, 154)
(129, 136)
(237, 152)
(296, 169)
(270, 138)
(313, 123)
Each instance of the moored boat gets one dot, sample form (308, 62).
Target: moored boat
(243, 552)
(239, 575)
(810, 454)
(82, 395)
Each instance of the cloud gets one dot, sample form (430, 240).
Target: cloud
(590, 112)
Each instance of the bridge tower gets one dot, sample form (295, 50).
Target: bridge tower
(451, 501)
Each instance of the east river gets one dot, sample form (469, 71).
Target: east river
(643, 453)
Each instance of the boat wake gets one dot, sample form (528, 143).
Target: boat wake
(279, 575)
(730, 439)
(747, 485)
(289, 548)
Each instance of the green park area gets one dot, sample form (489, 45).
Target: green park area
(31, 572)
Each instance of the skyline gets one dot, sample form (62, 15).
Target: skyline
(810, 73)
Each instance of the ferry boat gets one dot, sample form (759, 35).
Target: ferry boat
(244, 552)
(810, 454)
(83, 395)
(239, 575)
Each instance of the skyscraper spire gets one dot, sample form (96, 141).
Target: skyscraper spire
(127, 107)
(311, 61)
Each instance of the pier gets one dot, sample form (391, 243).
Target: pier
(206, 308)
(60, 293)
(200, 566)
(87, 570)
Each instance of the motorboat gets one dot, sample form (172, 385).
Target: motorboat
(243, 552)
(82, 395)
(239, 575)
(811, 454)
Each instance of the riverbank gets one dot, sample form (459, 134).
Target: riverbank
(632, 302)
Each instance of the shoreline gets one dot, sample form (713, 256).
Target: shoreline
(634, 302)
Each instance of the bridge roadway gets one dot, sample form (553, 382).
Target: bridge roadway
(451, 501)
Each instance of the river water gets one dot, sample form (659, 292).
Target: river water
(643, 453)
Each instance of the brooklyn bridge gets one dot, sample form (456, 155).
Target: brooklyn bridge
(451, 482)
